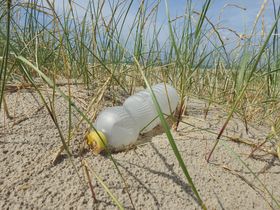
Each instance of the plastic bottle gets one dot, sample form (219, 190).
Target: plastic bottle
(118, 127)
(141, 107)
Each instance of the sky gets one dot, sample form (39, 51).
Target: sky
(237, 15)
(227, 14)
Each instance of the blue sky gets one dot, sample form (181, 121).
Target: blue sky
(231, 16)
(227, 15)
(221, 12)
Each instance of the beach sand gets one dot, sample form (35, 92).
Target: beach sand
(30, 140)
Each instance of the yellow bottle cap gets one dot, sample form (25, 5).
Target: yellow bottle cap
(96, 141)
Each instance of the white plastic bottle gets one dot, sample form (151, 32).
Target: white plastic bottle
(118, 127)
(141, 107)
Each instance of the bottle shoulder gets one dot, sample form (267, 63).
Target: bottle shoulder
(114, 116)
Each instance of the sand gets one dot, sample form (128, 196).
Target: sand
(29, 180)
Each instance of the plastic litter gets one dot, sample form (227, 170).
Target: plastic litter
(119, 127)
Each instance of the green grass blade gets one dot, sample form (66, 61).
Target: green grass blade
(4, 65)
(241, 94)
(51, 84)
(171, 139)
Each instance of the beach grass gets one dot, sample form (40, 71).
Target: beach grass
(103, 43)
